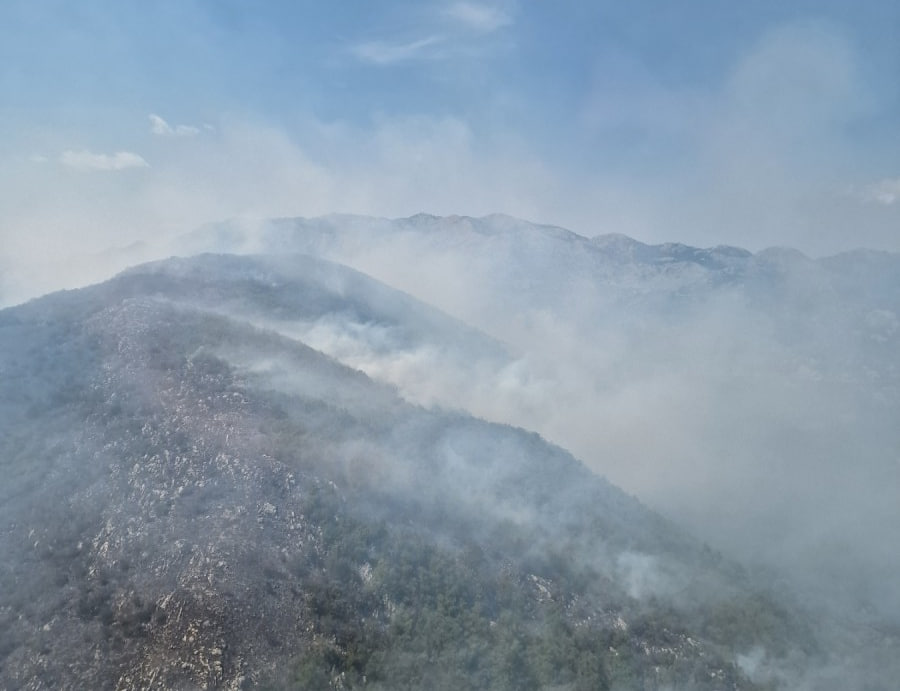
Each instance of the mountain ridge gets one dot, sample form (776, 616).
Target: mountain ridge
(505, 222)
(192, 533)
(651, 365)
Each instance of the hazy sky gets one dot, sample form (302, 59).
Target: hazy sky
(753, 123)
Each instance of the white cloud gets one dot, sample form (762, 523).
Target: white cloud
(88, 160)
(478, 16)
(886, 192)
(385, 53)
(161, 128)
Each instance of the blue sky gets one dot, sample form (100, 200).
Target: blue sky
(756, 123)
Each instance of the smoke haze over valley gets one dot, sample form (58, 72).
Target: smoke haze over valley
(695, 379)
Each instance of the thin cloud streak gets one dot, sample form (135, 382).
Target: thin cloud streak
(383, 53)
(85, 160)
(161, 128)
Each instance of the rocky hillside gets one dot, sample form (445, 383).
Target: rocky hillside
(191, 500)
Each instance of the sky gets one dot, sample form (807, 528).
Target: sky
(752, 124)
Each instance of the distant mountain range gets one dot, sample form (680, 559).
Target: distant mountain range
(273, 470)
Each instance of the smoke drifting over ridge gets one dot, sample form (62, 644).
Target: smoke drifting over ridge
(694, 379)
(752, 397)
(715, 384)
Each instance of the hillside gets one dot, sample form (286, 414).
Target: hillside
(194, 501)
